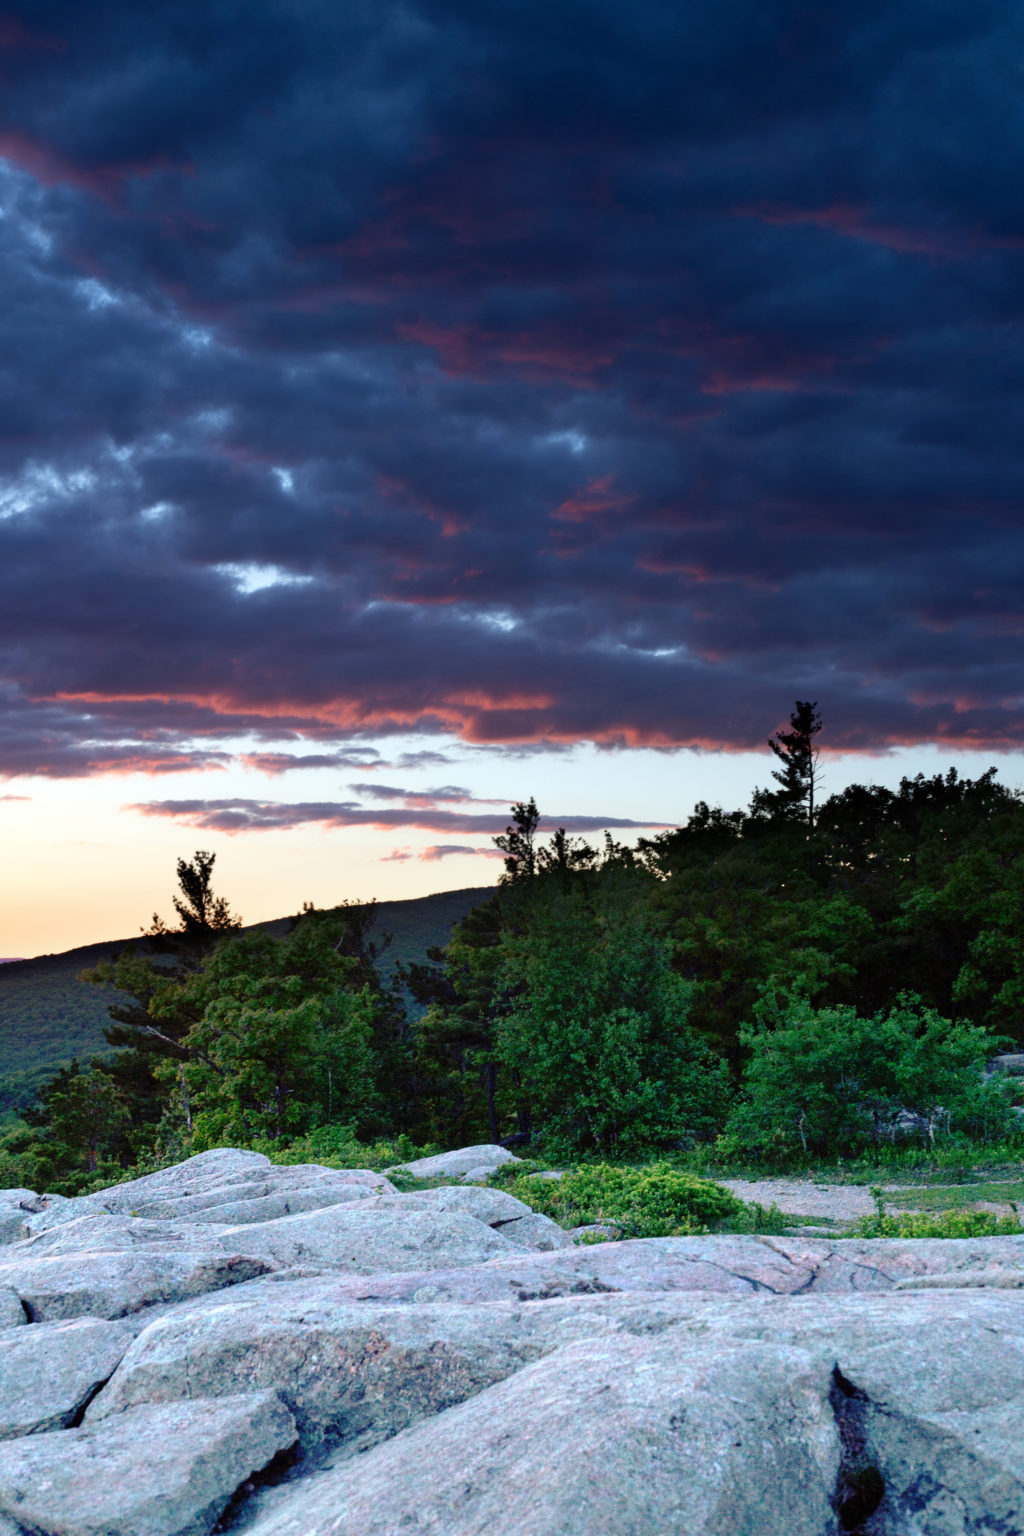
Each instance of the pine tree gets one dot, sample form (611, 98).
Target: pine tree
(799, 777)
(517, 842)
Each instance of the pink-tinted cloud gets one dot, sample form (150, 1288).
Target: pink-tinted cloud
(240, 815)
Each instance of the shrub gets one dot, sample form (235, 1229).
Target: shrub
(828, 1081)
(658, 1201)
(337, 1146)
(948, 1224)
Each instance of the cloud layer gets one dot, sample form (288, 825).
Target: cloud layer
(530, 373)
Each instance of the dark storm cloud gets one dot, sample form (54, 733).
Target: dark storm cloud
(531, 373)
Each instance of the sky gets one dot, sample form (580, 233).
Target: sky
(409, 406)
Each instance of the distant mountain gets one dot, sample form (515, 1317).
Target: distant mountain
(48, 1016)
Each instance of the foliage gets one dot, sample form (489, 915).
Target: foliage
(82, 1115)
(830, 1080)
(49, 1015)
(203, 918)
(657, 1201)
(454, 1066)
(282, 1040)
(947, 1224)
(595, 1034)
(798, 778)
(823, 979)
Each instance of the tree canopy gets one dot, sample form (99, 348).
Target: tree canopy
(801, 976)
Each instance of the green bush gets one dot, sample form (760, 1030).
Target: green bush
(658, 1201)
(827, 1081)
(337, 1146)
(948, 1224)
(595, 1035)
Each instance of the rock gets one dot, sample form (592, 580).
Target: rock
(445, 1375)
(154, 1471)
(114, 1234)
(363, 1238)
(348, 1373)
(15, 1205)
(614, 1437)
(1003, 1277)
(51, 1372)
(12, 1313)
(937, 1418)
(452, 1164)
(476, 1175)
(304, 1173)
(271, 1207)
(196, 1175)
(1011, 1062)
(925, 1397)
(352, 1371)
(111, 1285)
(737, 1266)
(18, 1206)
(538, 1233)
(492, 1206)
(216, 1188)
(296, 1188)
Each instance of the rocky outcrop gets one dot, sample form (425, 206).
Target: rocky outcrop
(308, 1352)
(469, 1164)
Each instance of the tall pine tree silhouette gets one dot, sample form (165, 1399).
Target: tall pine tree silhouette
(799, 776)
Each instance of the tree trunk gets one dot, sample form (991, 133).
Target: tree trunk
(186, 1106)
(492, 1114)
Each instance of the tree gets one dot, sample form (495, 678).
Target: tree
(81, 1116)
(799, 777)
(567, 856)
(517, 842)
(456, 1072)
(203, 917)
(283, 1038)
(595, 1036)
(829, 1081)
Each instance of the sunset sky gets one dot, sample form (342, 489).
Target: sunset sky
(406, 408)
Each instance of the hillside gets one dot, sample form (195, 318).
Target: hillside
(48, 1016)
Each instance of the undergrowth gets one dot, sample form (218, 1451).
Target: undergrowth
(653, 1201)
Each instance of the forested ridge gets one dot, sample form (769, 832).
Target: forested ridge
(49, 1015)
(806, 976)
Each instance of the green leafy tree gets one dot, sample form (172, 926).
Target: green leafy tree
(595, 1037)
(82, 1116)
(829, 1081)
(518, 842)
(744, 906)
(151, 1019)
(457, 1066)
(283, 1040)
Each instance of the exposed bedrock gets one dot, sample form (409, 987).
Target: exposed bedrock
(308, 1352)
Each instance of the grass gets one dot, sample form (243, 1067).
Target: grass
(959, 1197)
(947, 1164)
